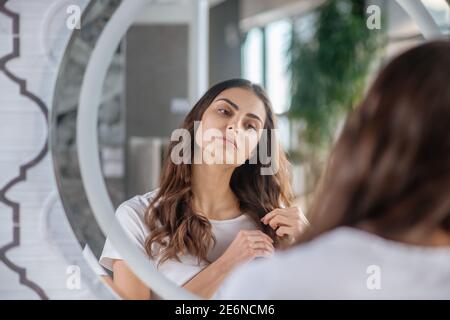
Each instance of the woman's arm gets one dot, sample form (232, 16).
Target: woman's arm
(129, 287)
(245, 247)
(126, 284)
(206, 282)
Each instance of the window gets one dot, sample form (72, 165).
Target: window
(265, 61)
(278, 38)
(440, 11)
(252, 57)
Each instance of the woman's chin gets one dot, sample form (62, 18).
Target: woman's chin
(221, 154)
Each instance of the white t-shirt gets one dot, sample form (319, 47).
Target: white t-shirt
(345, 263)
(131, 217)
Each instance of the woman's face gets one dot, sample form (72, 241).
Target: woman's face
(230, 127)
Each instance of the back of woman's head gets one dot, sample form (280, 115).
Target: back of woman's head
(390, 167)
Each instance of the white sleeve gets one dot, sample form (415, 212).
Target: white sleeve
(134, 228)
(92, 261)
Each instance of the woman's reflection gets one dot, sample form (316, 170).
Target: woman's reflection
(213, 212)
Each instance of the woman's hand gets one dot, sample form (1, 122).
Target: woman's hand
(287, 222)
(247, 245)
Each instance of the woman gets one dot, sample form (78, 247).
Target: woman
(380, 224)
(209, 215)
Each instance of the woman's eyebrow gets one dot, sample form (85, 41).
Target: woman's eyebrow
(235, 106)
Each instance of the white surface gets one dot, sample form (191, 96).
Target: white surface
(23, 132)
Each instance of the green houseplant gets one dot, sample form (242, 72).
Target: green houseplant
(329, 72)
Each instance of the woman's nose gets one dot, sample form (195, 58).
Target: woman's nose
(233, 129)
(234, 124)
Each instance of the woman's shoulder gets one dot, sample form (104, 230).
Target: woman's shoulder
(131, 217)
(347, 247)
(135, 207)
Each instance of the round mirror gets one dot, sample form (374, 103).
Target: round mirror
(135, 69)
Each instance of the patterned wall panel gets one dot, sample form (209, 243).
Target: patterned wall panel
(39, 254)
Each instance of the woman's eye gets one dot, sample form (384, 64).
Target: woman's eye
(224, 111)
(251, 127)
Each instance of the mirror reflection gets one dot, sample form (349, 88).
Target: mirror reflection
(232, 178)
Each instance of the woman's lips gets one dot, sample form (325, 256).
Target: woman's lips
(229, 140)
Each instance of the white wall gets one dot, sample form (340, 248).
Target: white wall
(36, 243)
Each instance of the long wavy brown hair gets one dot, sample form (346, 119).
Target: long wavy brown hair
(174, 227)
(390, 168)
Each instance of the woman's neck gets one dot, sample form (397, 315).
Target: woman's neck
(438, 238)
(213, 197)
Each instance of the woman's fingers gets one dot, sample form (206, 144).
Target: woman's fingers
(280, 220)
(275, 213)
(270, 215)
(261, 246)
(262, 253)
(260, 239)
(282, 231)
(292, 212)
(258, 233)
(292, 219)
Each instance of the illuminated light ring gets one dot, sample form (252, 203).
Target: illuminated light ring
(88, 156)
